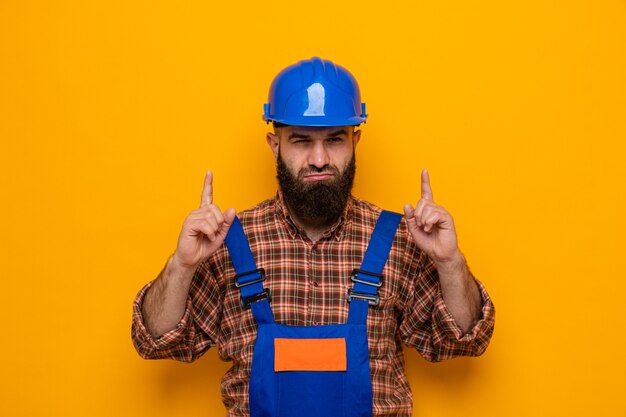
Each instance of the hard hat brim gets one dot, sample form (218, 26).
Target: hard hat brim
(320, 121)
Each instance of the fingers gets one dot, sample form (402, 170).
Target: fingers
(427, 192)
(424, 203)
(426, 216)
(419, 210)
(429, 219)
(206, 227)
(207, 190)
(208, 218)
(211, 221)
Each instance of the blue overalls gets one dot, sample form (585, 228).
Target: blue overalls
(312, 371)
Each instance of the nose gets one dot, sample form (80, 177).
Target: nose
(318, 157)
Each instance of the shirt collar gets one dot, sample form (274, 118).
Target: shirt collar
(336, 231)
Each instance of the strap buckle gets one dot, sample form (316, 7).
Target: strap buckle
(372, 300)
(265, 295)
(356, 271)
(261, 272)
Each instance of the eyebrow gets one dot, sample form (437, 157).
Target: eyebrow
(295, 135)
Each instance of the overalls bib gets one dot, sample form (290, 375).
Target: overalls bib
(312, 371)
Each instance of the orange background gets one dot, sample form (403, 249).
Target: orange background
(111, 112)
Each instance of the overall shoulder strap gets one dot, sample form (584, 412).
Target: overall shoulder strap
(249, 279)
(368, 278)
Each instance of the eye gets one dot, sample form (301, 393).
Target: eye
(335, 139)
(301, 141)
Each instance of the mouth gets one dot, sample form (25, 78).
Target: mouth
(320, 176)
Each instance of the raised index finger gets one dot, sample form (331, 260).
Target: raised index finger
(427, 192)
(207, 190)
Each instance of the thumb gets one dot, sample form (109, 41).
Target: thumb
(419, 236)
(229, 218)
(409, 216)
(409, 211)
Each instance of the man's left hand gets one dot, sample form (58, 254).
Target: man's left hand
(432, 226)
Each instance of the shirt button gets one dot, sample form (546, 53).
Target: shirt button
(315, 284)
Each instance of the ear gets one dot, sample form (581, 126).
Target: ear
(356, 137)
(273, 140)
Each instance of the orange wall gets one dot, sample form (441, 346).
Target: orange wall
(111, 112)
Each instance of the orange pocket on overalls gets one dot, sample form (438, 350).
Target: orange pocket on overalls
(309, 354)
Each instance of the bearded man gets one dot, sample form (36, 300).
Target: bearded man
(312, 293)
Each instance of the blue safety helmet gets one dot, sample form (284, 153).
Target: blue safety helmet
(315, 92)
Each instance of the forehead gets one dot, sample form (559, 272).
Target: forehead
(317, 130)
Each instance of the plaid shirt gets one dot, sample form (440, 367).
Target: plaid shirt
(308, 283)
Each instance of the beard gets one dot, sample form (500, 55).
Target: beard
(321, 202)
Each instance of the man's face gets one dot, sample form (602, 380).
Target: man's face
(315, 169)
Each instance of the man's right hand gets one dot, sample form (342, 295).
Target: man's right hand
(203, 231)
